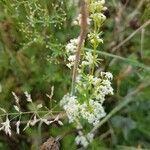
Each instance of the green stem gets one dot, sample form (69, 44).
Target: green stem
(94, 58)
(94, 47)
(24, 113)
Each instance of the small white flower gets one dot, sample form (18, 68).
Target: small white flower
(60, 122)
(88, 59)
(34, 121)
(71, 50)
(92, 112)
(71, 106)
(46, 121)
(16, 108)
(39, 106)
(52, 93)
(28, 96)
(72, 58)
(78, 20)
(57, 118)
(81, 140)
(3, 110)
(98, 17)
(71, 47)
(69, 65)
(97, 6)
(6, 126)
(107, 75)
(95, 38)
(17, 127)
(16, 97)
(90, 137)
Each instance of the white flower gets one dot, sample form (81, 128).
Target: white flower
(88, 59)
(57, 119)
(71, 47)
(6, 126)
(100, 97)
(28, 96)
(34, 121)
(78, 20)
(39, 106)
(94, 37)
(45, 121)
(52, 93)
(71, 106)
(3, 110)
(101, 86)
(60, 122)
(97, 6)
(84, 140)
(71, 50)
(16, 108)
(107, 75)
(90, 137)
(17, 127)
(98, 17)
(72, 58)
(92, 112)
(16, 97)
(96, 81)
(81, 140)
(69, 65)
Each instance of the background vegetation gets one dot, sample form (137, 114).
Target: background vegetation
(33, 35)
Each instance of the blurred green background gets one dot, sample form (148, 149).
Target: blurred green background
(33, 35)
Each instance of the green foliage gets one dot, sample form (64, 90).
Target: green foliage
(33, 35)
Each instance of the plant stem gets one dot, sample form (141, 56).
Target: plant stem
(24, 113)
(131, 35)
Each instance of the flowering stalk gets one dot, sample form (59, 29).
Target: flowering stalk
(85, 102)
(88, 91)
(84, 26)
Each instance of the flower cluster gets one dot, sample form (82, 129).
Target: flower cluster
(71, 49)
(84, 140)
(71, 106)
(6, 126)
(93, 111)
(95, 20)
(90, 95)
(90, 91)
(78, 20)
(88, 60)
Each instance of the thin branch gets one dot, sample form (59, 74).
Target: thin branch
(142, 42)
(136, 10)
(28, 112)
(130, 61)
(83, 32)
(62, 115)
(131, 35)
